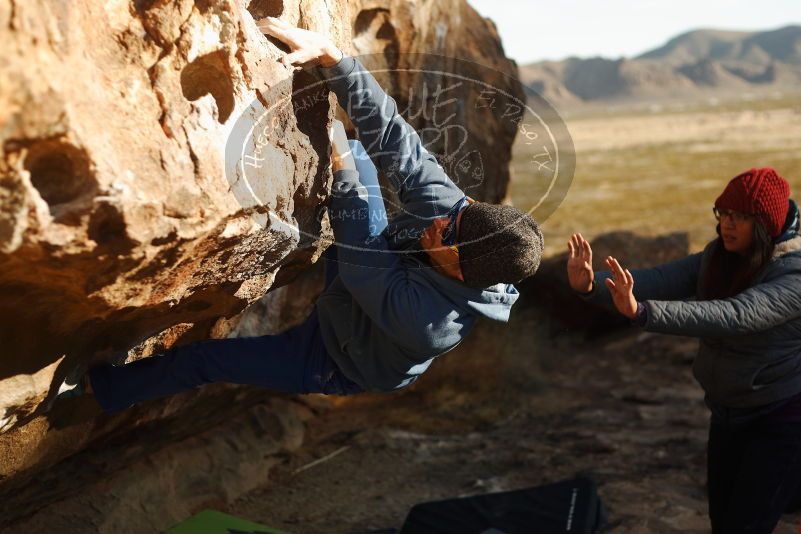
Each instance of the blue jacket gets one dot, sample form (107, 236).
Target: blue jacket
(750, 344)
(389, 314)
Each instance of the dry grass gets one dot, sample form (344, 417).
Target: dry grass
(658, 171)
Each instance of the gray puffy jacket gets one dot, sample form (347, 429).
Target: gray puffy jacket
(750, 349)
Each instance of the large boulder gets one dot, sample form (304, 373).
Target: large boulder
(123, 228)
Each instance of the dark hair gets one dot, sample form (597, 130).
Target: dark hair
(729, 273)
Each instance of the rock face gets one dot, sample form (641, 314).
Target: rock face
(123, 229)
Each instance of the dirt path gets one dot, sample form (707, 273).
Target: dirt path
(628, 414)
(514, 406)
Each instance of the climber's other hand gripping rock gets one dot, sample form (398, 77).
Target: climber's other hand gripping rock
(307, 47)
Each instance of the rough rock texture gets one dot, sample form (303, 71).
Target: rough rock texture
(123, 230)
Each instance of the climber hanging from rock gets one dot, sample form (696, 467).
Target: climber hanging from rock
(398, 293)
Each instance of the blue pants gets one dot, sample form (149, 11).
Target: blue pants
(294, 361)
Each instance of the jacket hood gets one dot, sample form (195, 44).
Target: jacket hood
(792, 245)
(791, 224)
(494, 302)
(789, 240)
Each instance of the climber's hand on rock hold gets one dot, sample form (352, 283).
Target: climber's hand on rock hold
(307, 47)
(341, 156)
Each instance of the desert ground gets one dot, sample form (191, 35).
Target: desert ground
(519, 405)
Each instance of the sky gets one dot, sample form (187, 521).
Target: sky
(533, 30)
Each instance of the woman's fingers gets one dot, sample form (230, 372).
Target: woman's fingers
(577, 246)
(574, 246)
(571, 253)
(612, 267)
(620, 276)
(623, 277)
(611, 285)
(577, 243)
(585, 248)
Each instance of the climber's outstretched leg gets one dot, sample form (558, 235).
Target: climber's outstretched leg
(294, 361)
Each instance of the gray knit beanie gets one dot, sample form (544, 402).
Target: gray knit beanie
(498, 244)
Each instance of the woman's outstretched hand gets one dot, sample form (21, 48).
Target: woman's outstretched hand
(621, 286)
(307, 47)
(579, 264)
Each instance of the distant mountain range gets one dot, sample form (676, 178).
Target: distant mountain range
(694, 63)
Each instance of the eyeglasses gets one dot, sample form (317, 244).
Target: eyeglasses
(736, 216)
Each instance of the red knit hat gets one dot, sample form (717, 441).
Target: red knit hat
(759, 192)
